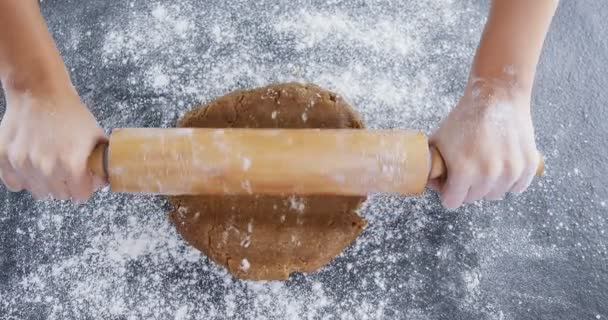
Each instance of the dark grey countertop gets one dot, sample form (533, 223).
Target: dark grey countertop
(402, 64)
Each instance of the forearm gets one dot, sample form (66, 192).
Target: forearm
(29, 59)
(512, 41)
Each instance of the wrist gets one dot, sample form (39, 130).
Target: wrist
(491, 91)
(509, 77)
(31, 63)
(49, 81)
(39, 79)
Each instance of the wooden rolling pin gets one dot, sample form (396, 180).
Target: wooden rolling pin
(267, 161)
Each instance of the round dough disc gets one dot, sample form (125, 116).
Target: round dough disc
(268, 237)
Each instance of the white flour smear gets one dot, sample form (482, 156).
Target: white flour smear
(400, 66)
(186, 55)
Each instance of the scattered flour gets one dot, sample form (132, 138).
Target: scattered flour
(246, 185)
(246, 164)
(297, 204)
(245, 265)
(400, 65)
(314, 28)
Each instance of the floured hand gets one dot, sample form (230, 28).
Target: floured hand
(487, 143)
(44, 145)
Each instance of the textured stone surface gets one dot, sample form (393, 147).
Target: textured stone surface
(400, 64)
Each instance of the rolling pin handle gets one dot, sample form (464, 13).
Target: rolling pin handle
(98, 161)
(541, 165)
(438, 169)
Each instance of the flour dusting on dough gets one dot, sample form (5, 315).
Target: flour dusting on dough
(297, 204)
(245, 265)
(246, 164)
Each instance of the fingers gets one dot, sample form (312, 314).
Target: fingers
(511, 173)
(480, 189)
(490, 133)
(80, 180)
(52, 173)
(9, 177)
(11, 180)
(57, 184)
(35, 180)
(47, 140)
(46, 177)
(492, 183)
(455, 189)
(528, 174)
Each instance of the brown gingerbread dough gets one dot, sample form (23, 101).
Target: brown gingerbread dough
(267, 237)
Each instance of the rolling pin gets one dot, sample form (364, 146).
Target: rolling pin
(184, 161)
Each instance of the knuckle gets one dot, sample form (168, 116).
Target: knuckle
(513, 169)
(36, 154)
(507, 170)
(47, 166)
(531, 159)
(490, 169)
(75, 165)
(465, 168)
(18, 159)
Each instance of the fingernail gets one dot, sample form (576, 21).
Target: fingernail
(449, 206)
(14, 189)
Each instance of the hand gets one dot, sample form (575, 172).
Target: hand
(487, 143)
(45, 141)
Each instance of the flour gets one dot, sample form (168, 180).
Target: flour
(315, 28)
(246, 242)
(297, 204)
(159, 80)
(245, 265)
(246, 164)
(246, 185)
(400, 66)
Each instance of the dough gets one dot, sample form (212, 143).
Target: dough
(268, 237)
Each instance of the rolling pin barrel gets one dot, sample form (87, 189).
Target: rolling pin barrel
(264, 161)
(267, 161)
